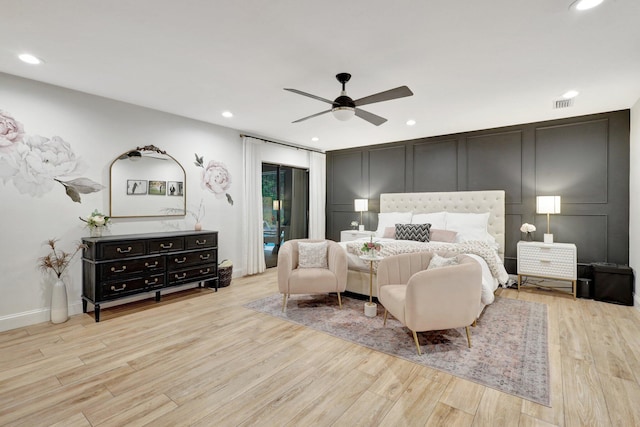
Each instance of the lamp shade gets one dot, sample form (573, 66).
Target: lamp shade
(548, 204)
(361, 205)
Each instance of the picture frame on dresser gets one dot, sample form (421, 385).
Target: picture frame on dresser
(118, 267)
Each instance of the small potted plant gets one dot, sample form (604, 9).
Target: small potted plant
(96, 222)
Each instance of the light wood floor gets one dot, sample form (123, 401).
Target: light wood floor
(200, 358)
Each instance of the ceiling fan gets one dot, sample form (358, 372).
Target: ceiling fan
(343, 107)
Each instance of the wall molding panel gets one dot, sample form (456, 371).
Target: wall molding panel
(584, 159)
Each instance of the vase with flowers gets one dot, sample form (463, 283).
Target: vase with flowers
(371, 248)
(58, 261)
(96, 222)
(528, 229)
(354, 225)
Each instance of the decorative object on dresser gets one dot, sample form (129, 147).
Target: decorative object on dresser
(116, 267)
(528, 229)
(361, 205)
(349, 235)
(96, 222)
(548, 205)
(556, 261)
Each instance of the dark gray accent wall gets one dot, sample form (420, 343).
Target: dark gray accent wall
(585, 160)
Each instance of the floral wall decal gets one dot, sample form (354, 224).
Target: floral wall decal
(35, 163)
(215, 178)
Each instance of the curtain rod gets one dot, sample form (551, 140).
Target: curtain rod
(283, 143)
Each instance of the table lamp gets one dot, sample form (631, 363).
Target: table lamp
(361, 205)
(548, 205)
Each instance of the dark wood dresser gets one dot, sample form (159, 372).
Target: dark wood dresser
(115, 267)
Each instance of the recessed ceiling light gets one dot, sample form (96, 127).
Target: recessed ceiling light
(227, 114)
(570, 94)
(30, 59)
(411, 122)
(315, 139)
(585, 4)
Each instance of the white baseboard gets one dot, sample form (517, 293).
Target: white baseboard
(41, 315)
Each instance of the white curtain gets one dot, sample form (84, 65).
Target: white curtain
(252, 215)
(317, 194)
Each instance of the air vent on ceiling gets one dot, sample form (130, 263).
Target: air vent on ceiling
(562, 103)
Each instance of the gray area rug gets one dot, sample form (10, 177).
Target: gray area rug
(509, 344)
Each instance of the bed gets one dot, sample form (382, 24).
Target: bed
(485, 207)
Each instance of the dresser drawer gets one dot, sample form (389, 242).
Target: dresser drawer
(121, 249)
(128, 267)
(551, 253)
(195, 274)
(185, 259)
(119, 288)
(201, 241)
(166, 245)
(541, 267)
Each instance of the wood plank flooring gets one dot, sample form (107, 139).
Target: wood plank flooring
(200, 358)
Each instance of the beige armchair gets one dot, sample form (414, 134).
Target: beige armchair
(295, 280)
(430, 300)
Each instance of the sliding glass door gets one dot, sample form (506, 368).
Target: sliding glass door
(285, 207)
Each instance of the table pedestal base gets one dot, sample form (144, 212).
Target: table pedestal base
(370, 309)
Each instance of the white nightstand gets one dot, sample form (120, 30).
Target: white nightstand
(348, 235)
(556, 261)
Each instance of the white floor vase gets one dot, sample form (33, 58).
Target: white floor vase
(59, 306)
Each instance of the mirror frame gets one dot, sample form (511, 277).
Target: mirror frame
(131, 153)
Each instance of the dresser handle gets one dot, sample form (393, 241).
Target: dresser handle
(198, 242)
(180, 277)
(546, 261)
(202, 257)
(169, 246)
(205, 272)
(155, 280)
(113, 269)
(155, 264)
(113, 288)
(124, 251)
(177, 261)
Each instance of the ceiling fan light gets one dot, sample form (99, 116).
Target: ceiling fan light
(585, 4)
(343, 113)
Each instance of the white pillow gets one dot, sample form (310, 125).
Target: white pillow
(312, 255)
(390, 219)
(438, 261)
(469, 226)
(436, 219)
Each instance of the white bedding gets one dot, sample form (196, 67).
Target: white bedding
(486, 257)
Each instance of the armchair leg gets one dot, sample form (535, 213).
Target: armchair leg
(384, 322)
(415, 338)
(284, 302)
(468, 335)
(339, 301)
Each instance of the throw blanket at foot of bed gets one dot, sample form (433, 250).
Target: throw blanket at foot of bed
(475, 247)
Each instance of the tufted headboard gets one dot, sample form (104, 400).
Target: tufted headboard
(491, 201)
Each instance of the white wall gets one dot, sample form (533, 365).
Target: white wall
(98, 130)
(634, 196)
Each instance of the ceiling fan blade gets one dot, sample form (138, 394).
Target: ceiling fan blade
(312, 116)
(370, 117)
(299, 92)
(387, 95)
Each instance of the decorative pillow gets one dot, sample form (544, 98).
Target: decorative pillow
(469, 226)
(436, 219)
(312, 255)
(438, 261)
(389, 219)
(417, 232)
(446, 236)
(389, 233)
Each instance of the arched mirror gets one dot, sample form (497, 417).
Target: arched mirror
(146, 182)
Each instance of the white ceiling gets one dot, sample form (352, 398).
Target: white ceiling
(471, 64)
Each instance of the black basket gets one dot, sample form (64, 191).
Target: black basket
(224, 276)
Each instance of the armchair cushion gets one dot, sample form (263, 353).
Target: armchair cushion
(312, 255)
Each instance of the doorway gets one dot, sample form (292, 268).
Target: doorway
(285, 207)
